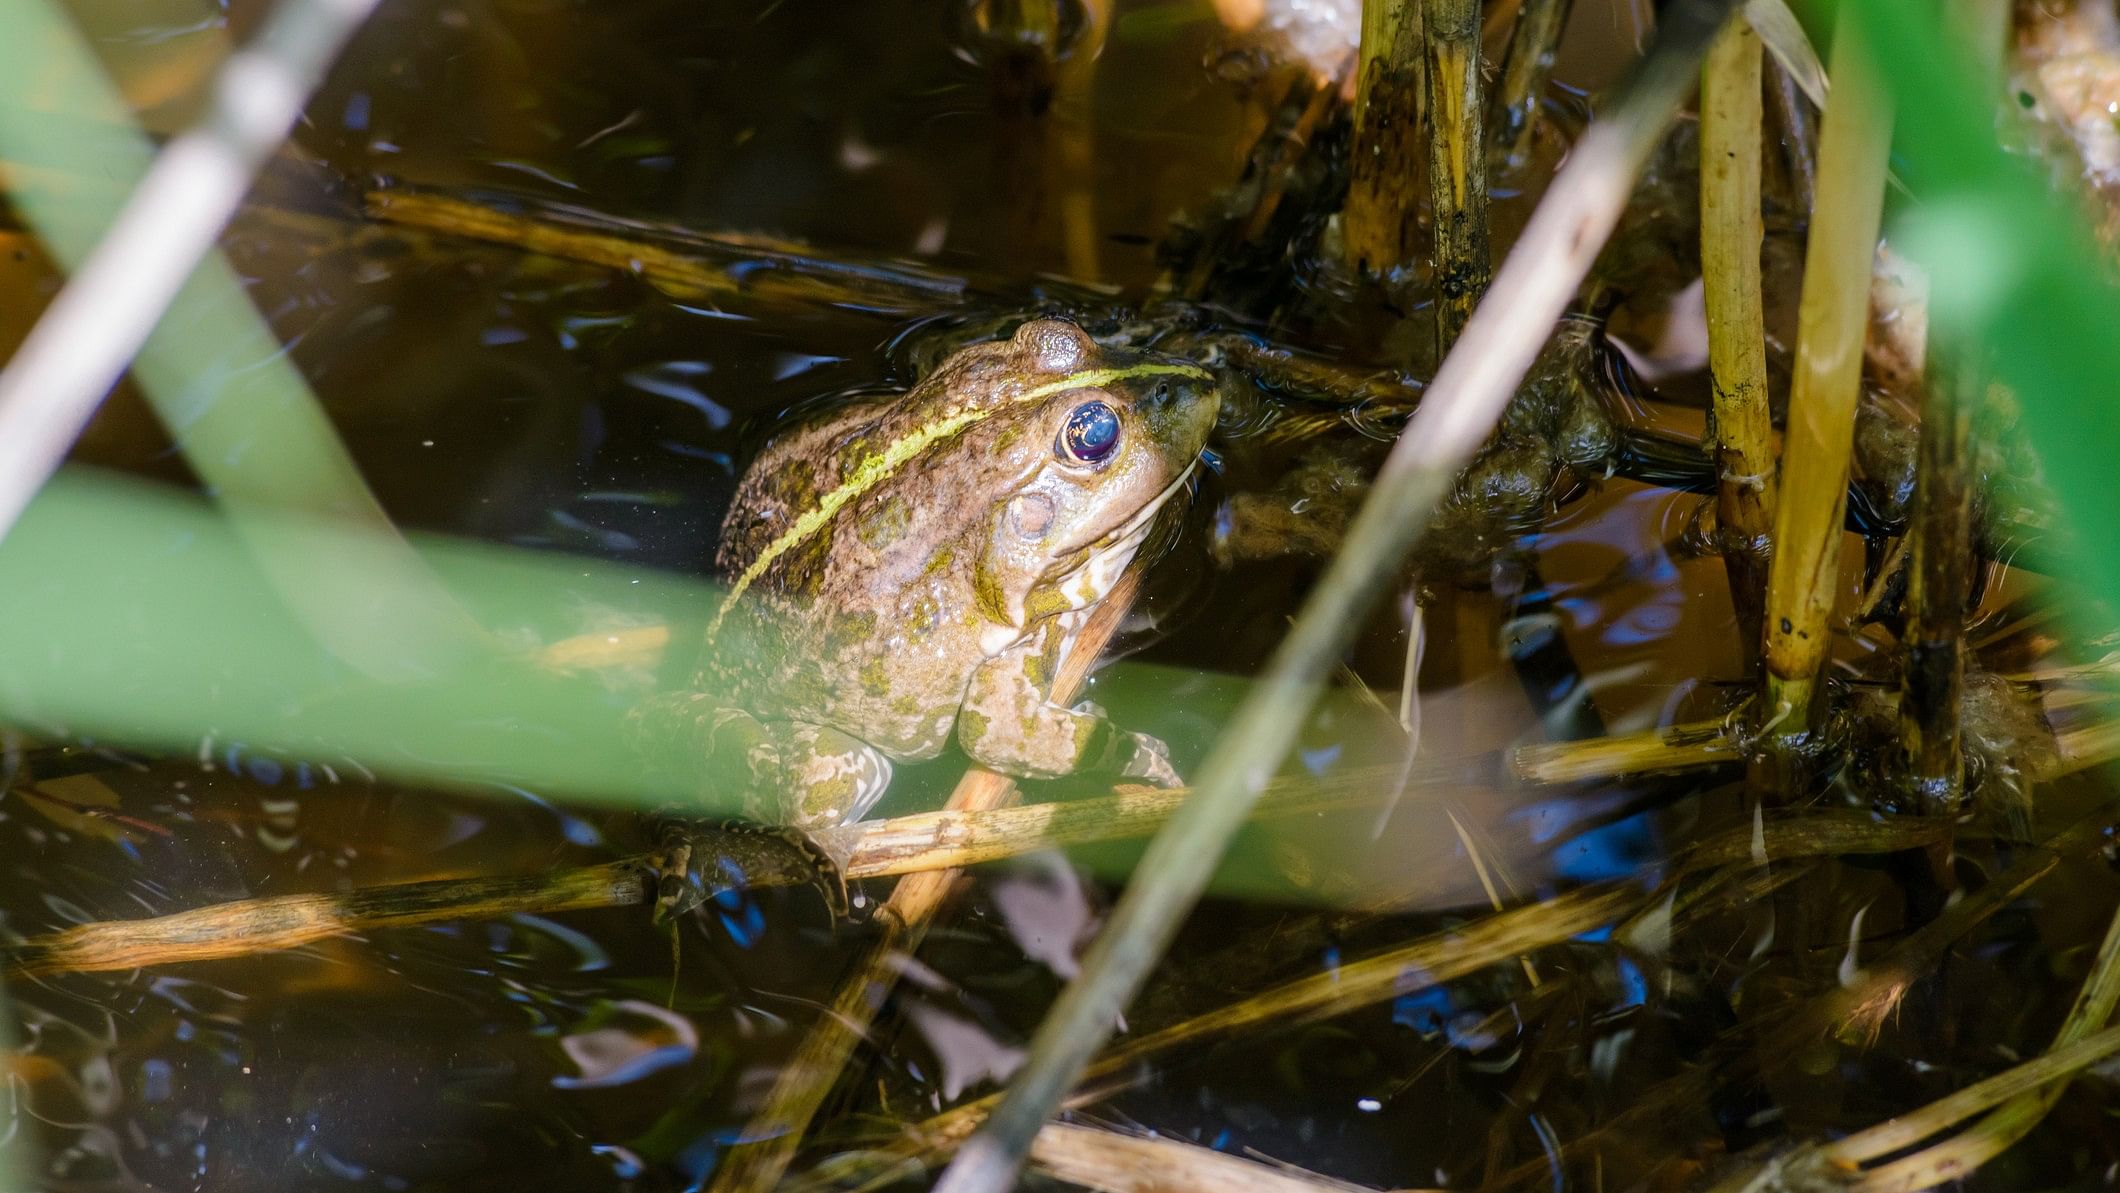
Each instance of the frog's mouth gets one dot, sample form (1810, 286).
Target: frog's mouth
(1130, 532)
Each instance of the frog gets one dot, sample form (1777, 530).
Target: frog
(909, 570)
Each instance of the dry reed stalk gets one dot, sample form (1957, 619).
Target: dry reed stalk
(1741, 434)
(1939, 579)
(1457, 165)
(1832, 320)
(1494, 940)
(1379, 221)
(1678, 747)
(680, 263)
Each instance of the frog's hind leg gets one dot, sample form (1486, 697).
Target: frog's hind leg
(803, 778)
(828, 777)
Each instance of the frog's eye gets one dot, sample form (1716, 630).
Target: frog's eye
(1091, 433)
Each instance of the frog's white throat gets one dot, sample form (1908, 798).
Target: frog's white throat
(1091, 576)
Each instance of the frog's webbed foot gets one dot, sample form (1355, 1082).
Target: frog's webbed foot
(802, 779)
(1125, 756)
(699, 859)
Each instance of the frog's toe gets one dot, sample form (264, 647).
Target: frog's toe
(1150, 763)
(677, 887)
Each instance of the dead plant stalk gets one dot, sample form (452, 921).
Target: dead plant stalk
(1831, 321)
(1457, 165)
(1741, 438)
(1379, 221)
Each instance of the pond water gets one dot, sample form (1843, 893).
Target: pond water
(566, 407)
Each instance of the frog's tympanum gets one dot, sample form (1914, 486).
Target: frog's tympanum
(905, 569)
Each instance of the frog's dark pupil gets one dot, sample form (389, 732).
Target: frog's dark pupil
(1092, 432)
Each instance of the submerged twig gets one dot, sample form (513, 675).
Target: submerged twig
(684, 264)
(1741, 436)
(1832, 320)
(1532, 46)
(105, 312)
(1121, 1163)
(1457, 165)
(251, 926)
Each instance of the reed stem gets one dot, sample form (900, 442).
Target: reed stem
(1741, 436)
(1831, 322)
(1379, 221)
(1939, 577)
(1457, 165)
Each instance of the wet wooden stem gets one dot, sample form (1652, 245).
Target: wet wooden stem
(1741, 436)
(1831, 322)
(1938, 579)
(1532, 45)
(1457, 166)
(1378, 222)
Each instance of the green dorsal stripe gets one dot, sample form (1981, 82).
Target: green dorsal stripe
(873, 470)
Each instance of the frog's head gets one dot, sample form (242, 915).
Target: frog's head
(1085, 445)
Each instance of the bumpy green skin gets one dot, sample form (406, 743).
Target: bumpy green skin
(913, 567)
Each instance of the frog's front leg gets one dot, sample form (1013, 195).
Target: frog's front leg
(1010, 724)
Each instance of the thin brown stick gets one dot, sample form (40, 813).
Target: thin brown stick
(290, 921)
(1529, 63)
(1741, 435)
(800, 1088)
(1378, 224)
(1457, 165)
(680, 263)
(1831, 322)
(1939, 578)
(1678, 747)
(1795, 137)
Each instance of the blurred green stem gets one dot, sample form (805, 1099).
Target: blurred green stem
(215, 374)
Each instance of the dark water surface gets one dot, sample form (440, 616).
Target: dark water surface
(564, 407)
